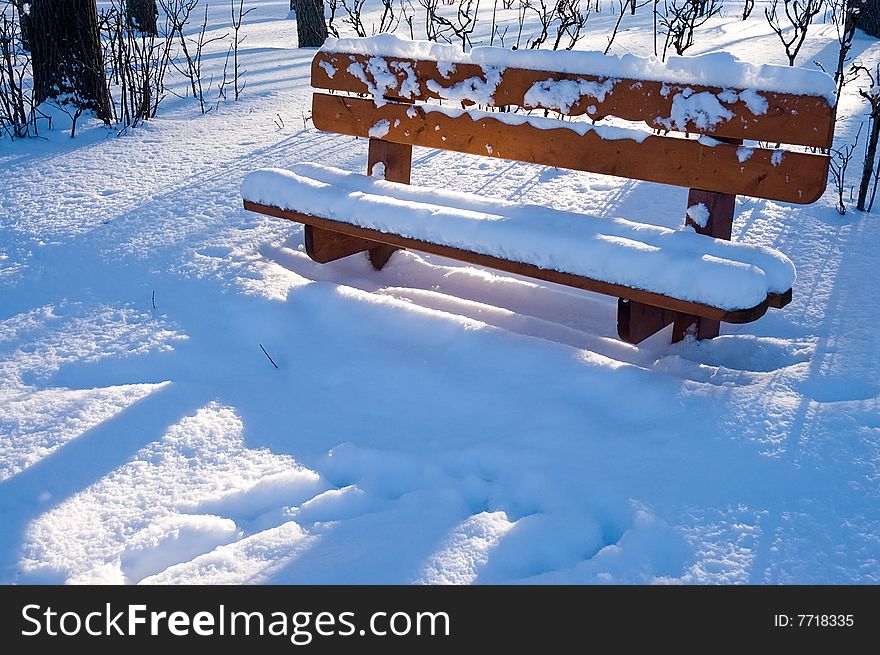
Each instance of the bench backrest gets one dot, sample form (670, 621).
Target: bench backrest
(724, 114)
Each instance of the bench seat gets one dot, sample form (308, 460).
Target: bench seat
(678, 270)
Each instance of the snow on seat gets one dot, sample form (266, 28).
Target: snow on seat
(676, 264)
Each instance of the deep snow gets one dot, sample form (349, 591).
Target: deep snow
(433, 422)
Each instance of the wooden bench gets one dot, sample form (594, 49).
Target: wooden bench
(381, 89)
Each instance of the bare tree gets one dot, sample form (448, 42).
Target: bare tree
(620, 15)
(546, 14)
(238, 14)
(237, 17)
(572, 20)
(67, 58)
(748, 6)
(178, 13)
(655, 14)
(799, 15)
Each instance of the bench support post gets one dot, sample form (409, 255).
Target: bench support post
(721, 207)
(325, 246)
(637, 322)
(397, 160)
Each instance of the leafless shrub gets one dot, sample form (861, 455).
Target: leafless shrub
(682, 18)
(845, 15)
(839, 162)
(748, 6)
(613, 36)
(440, 28)
(389, 20)
(238, 16)
(565, 17)
(177, 14)
(18, 115)
(331, 28)
(408, 13)
(632, 5)
(192, 50)
(799, 15)
(521, 11)
(353, 9)
(136, 63)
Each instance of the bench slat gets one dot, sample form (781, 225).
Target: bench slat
(787, 118)
(787, 176)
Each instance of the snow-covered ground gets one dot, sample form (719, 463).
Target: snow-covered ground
(432, 422)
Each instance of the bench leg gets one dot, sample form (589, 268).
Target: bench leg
(380, 255)
(325, 246)
(397, 160)
(637, 321)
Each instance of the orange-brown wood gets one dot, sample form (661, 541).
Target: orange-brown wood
(396, 157)
(721, 208)
(794, 177)
(779, 300)
(519, 268)
(637, 321)
(324, 246)
(641, 321)
(397, 160)
(794, 119)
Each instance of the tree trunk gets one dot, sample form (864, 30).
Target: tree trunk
(142, 15)
(870, 156)
(311, 30)
(66, 55)
(24, 23)
(869, 20)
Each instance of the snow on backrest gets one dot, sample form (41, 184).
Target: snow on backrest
(716, 94)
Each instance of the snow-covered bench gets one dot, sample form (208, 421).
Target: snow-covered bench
(660, 276)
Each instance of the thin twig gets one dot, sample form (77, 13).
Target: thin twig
(269, 356)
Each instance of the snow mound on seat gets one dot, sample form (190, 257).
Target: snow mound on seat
(680, 264)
